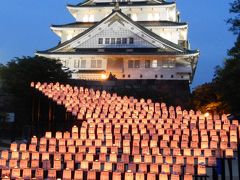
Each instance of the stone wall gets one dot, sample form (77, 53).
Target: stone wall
(173, 92)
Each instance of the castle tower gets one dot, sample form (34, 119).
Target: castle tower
(133, 39)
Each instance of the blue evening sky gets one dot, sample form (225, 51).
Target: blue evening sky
(24, 28)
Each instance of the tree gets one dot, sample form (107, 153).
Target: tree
(206, 98)
(226, 77)
(17, 75)
(222, 94)
(20, 72)
(235, 21)
(228, 84)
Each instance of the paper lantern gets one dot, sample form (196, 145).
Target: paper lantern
(177, 152)
(32, 147)
(57, 164)
(46, 165)
(48, 135)
(15, 155)
(201, 170)
(107, 166)
(188, 177)
(42, 148)
(190, 160)
(15, 173)
(70, 164)
(23, 147)
(34, 163)
(176, 169)
(45, 156)
(27, 173)
(201, 160)
(189, 169)
(213, 144)
(187, 152)
(78, 174)
(43, 141)
(6, 173)
(165, 169)
(67, 174)
(13, 147)
(204, 145)
(128, 176)
(229, 153)
(52, 173)
(179, 160)
(212, 161)
(168, 159)
(84, 165)
(163, 177)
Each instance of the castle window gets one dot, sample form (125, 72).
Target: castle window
(147, 63)
(154, 63)
(107, 41)
(150, 17)
(93, 63)
(156, 75)
(131, 40)
(130, 63)
(83, 63)
(129, 76)
(159, 63)
(99, 63)
(91, 18)
(69, 36)
(171, 64)
(124, 40)
(141, 75)
(85, 18)
(133, 64)
(134, 17)
(100, 41)
(136, 64)
(156, 17)
(112, 40)
(165, 64)
(76, 63)
(64, 63)
(118, 40)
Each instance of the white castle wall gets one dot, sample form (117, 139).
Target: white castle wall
(144, 13)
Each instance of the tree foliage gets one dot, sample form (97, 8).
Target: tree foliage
(235, 21)
(227, 77)
(222, 94)
(20, 72)
(227, 80)
(17, 75)
(206, 97)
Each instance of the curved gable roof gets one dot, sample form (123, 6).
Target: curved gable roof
(121, 15)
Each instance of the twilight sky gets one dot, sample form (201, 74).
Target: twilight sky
(24, 28)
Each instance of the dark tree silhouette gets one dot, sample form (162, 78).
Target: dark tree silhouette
(16, 77)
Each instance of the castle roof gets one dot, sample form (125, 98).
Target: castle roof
(122, 16)
(143, 23)
(90, 3)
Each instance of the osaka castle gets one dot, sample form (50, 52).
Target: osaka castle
(129, 39)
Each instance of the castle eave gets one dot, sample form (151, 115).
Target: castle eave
(121, 4)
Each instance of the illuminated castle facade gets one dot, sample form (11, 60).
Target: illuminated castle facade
(131, 40)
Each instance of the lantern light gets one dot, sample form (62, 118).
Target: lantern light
(103, 76)
(206, 114)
